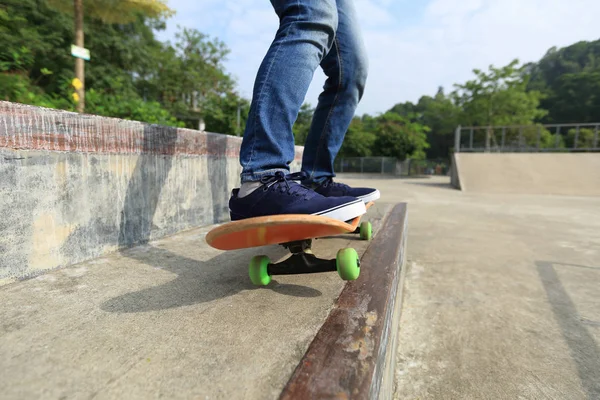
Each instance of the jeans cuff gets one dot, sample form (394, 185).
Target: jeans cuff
(256, 176)
(320, 178)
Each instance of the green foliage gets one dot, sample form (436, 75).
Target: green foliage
(302, 125)
(18, 88)
(194, 72)
(35, 39)
(360, 139)
(440, 114)
(220, 114)
(131, 74)
(570, 80)
(532, 136)
(498, 97)
(398, 137)
(111, 11)
(127, 104)
(585, 138)
(576, 98)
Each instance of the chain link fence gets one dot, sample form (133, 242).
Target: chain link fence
(391, 166)
(528, 138)
(379, 165)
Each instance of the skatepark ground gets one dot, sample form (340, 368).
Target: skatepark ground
(500, 301)
(501, 295)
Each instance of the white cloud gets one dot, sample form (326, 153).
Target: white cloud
(440, 46)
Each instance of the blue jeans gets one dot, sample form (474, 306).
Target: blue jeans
(311, 33)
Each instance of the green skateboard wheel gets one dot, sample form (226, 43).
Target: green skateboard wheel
(258, 270)
(348, 264)
(366, 230)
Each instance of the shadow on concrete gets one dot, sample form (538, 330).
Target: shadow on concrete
(584, 349)
(146, 183)
(197, 281)
(151, 173)
(294, 290)
(217, 173)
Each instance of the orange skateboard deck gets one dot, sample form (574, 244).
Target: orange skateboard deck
(277, 229)
(294, 232)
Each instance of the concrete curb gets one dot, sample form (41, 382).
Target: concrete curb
(353, 354)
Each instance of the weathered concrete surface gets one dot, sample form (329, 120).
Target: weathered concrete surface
(74, 187)
(171, 319)
(62, 208)
(569, 174)
(353, 354)
(502, 295)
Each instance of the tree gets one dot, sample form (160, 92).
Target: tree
(189, 79)
(220, 114)
(569, 72)
(439, 114)
(405, 109)
(108, 11)
(302, 125)
(360, 138)
(398, 137)
(585, 138)
(576, 98)
(29, 32)
(498, 97)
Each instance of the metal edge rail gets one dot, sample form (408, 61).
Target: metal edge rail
(353, 353)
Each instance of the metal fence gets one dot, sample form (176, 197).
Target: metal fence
(379, 165)
(528, 138)
(391, 166)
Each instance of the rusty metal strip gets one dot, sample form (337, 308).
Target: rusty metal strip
(353, 352)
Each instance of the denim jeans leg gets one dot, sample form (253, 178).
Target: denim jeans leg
(346, 67)
(305, 35)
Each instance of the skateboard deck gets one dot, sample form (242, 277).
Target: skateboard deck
(277, 229)
(294, 232)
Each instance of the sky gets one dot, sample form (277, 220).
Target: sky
(414, 46)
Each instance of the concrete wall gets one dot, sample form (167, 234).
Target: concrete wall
(570, 174)
(74, 187)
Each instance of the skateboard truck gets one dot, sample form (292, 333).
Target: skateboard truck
(303, 261)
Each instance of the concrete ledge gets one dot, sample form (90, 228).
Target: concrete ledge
(353, 354)
(74, 187)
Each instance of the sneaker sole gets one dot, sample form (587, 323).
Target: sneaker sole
(370, 197)
(345, 212)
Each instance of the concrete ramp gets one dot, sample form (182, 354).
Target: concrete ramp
(572, 174)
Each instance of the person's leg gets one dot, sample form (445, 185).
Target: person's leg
(346, 67)
(305, 35)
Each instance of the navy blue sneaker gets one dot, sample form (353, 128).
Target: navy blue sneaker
(329, 188)
(281, 194)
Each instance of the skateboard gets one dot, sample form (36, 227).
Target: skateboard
(295, 232)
